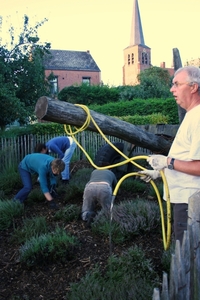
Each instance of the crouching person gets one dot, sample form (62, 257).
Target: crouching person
(47, 168)
(98, 190)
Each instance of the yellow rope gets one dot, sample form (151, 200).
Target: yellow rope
(89, 119)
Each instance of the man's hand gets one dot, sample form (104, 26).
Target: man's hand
(157, 162)
(52, 205)
(149, 175)
(53, 192)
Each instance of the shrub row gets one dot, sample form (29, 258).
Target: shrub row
(140, 107)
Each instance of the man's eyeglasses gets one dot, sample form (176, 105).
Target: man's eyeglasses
(177, 84)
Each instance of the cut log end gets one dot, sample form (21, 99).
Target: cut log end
(41, 107)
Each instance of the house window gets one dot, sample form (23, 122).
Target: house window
(54, 86)
(129, 59)
(132, 57)
(86, 80)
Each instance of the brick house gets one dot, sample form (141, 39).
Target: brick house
(65, 68)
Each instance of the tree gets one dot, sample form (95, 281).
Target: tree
(22, 75)
(154, 83)
(155, 72)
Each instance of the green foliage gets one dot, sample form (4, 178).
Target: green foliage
(10, 105)
(154, 83)
(68, 213)
(152, 191)
(31, 227)
(75, 188)
(134, 186)
(157, 118)
(87, 94)
(36, 195)
(128, 218)
(141, 107)
(38, 129)
(166, 258)
(9, 179)
(47, 248)
(22, 75)
(130, 276)
(8, 211)
(160, 74)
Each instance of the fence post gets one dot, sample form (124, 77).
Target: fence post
(165, 290)
(194, 226)
(186, 254)
(156, 294)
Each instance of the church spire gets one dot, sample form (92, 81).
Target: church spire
(137, 37)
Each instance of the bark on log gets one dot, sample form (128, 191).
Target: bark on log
(66, 113)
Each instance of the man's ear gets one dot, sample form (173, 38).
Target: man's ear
(194, 88)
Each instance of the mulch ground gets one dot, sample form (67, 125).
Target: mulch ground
(52, 281)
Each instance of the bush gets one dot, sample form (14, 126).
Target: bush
(120, 281)
(31, 227)
(141, 107)
(76, 187)
(86, 94)
(69, 213)
(47, 248)
(8, 211)
(128, 218)
(9, 179)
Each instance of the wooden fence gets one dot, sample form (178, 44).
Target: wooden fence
(184, 281)
(12, 150)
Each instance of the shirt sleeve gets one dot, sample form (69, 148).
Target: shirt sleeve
(43, 181)
(54, 148)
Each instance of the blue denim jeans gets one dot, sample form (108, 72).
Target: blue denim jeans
(27, 185)
(67, 157)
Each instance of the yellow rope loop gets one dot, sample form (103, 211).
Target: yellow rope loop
(84, 126)
(166, 238)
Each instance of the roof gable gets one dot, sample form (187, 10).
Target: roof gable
(70, 60)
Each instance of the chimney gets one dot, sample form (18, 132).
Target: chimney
(162, 65)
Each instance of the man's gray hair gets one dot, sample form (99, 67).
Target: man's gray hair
(193, 74)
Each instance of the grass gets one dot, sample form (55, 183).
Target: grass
(30, 227)
(8, 211)
(68, 213)
(130, 276)
(47, 248)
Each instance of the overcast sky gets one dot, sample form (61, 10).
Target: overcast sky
(104, 27)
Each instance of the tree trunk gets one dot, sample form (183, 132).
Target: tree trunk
(66, 113)
(177, 65)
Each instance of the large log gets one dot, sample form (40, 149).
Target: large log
(66, 113)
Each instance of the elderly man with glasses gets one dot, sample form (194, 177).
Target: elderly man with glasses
(182, 165)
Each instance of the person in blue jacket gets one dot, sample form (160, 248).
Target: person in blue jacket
(64, 146)
(47, 168)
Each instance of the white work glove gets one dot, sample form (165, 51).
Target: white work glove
(149, 174)
(157, 162)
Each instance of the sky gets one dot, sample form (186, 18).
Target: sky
(104, 26)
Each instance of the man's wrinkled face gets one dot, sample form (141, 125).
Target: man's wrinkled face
(181, 89)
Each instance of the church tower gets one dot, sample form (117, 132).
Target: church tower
(137, 56)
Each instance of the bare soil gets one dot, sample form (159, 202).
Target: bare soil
(52, 281)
